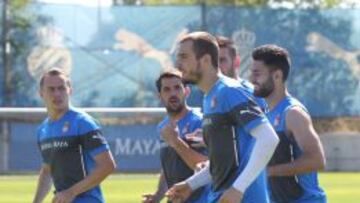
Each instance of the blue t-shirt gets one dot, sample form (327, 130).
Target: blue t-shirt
(69, 146)
(174, 168)
(229, 115)
(300, 188)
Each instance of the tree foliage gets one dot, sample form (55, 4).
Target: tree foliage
(249, 3)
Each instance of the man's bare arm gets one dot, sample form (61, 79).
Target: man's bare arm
(44, 184)
(313, 158)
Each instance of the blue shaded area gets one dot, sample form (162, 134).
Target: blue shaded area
(1, 60)
(135, 147)
(24, 153)
(106, 74)
(316, 76)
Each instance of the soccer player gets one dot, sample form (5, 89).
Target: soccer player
(229, 66)
(178, 156)
(239, 138)
(229, 62)
(76, 156)
(293, 168)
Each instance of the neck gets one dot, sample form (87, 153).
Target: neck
(237, 77)
(180, 115)
(209, 79)
(56, 114)
(276, 96)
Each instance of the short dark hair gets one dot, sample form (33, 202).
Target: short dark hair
(275, 57)
(227, 43)
(173, 73)
(54, 72)
(204, 43)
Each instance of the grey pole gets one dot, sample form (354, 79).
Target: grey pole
(4, 127)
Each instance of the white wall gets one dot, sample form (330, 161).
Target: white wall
(342, 151)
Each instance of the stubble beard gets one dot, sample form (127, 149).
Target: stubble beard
(265, 89)
(174, 111)
(195, 76)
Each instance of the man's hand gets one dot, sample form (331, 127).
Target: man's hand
(231, 195)
(65, 196)
(201, 165)
(179, 192)
(150, 198)
(170, 133)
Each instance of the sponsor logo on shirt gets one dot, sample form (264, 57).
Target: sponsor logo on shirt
(54, 144)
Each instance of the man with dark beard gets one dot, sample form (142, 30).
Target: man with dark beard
(178, 155)
(292, 171)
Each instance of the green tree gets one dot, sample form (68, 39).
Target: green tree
(269, 3)
(18, 27)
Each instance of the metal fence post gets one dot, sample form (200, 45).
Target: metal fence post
(4, 146)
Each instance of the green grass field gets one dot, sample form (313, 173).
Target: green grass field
(340, 187)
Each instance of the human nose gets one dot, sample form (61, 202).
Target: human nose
(173, 92)
(57, 92)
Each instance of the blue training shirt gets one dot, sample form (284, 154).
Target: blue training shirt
(249, 88)
(174, 168)
(69, 146)
(230, 113)
(302, 188)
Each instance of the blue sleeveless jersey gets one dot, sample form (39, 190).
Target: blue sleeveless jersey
(69, 146)
(302, 188)
(230, 113)
(174, 168)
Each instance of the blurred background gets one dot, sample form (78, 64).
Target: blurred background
(115, 49)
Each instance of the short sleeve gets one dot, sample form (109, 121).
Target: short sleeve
(243, 110)
(92, 139)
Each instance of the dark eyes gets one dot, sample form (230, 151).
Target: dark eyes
(166, 89)
(61, 88)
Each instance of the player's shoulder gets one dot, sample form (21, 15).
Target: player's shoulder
(248, 86)
(296, 112)
(194, 118)
(294, 105)
(162, 123)
(195, 114)
(44, 123)
(41, 129)
(85, 121)
(228, 83)
(232, 90)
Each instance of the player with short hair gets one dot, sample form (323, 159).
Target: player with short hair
(178, 155)
(229, 61)
(76, 156)
(293, 168)
(229, 65)
(239, 138)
